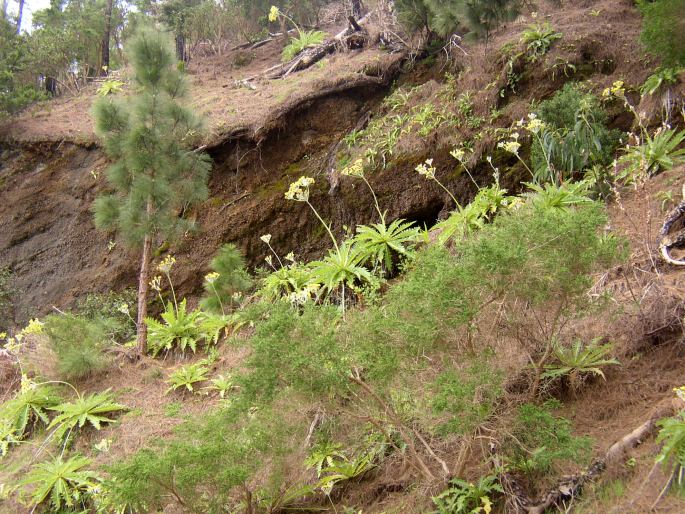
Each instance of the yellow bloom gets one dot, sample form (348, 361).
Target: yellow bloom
(426, 169)
(156, 283)
(211, 277)
(510, 146)
(354, 170)
(290, 257)
(273, 13)
(459, 154)
(166, 265)
(34, 327)
(299, 190)
(266, 238)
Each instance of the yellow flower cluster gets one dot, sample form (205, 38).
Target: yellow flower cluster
(166, 265)
(211, 277)
(355, 169)
(680, 392)
(273, 13)
(156, 283)
(299, 190)
(459, 154)
(535, 124)
(510, 146)
(426, 169)
(266, 238)
(616, 89)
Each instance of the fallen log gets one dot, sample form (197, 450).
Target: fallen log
(312, 55)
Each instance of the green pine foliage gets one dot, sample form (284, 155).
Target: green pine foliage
(155, 174)
(233, 278)
(542, 440)
(80, 344)
(445, 18)
(662, 30)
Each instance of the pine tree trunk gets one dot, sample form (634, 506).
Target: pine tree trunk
(143, 285)
(19, 16)
(104, 65)
(181, 48)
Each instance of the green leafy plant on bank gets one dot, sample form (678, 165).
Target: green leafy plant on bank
(463, 497)
(61, 483)
(539, 39)
(672, 438)
(579, 360)
(187, 377)
(93, 410)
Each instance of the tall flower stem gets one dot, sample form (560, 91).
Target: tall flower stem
(173, 293)
(447, 191)
(375, 199)
(221, 304)
(326, 226)
(274, 252)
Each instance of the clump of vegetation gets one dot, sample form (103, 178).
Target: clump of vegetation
(672, 437)
(539, 39)
(227, 281)
(187, 377)
(119, 307)
(573, 135)
(662, 32)
(463, 497)
(92, 410)
(468, 397)
(543, 440)
(80, 345)
(61, 483)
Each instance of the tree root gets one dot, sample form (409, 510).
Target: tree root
(666, 241)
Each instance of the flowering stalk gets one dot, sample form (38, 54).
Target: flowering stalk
(357, 170)
(165, 267)
(210, 278)
(266, 238)
(299, 192)
(460, 155)
(428, 170)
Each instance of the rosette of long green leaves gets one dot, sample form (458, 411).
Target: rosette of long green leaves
(380, 243)
(63, 482)
(341, 268)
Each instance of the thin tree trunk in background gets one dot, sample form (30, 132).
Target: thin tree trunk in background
(104, 65)
(181, 48)
(143, 285)
(20, 15)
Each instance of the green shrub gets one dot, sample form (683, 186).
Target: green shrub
(232, 278)
(183, 329)
(187, 377)
(119, 306)
(662, 29)
(468, 397)
(672, 437)
(295, 350)
(538, 40)
(80, 344)
(543, 440)
(209, 463)
(575, 137)
(25, 412)
(658, 152)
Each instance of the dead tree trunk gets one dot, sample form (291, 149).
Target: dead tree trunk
(104, 65)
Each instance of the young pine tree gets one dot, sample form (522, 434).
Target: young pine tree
(155, 174)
